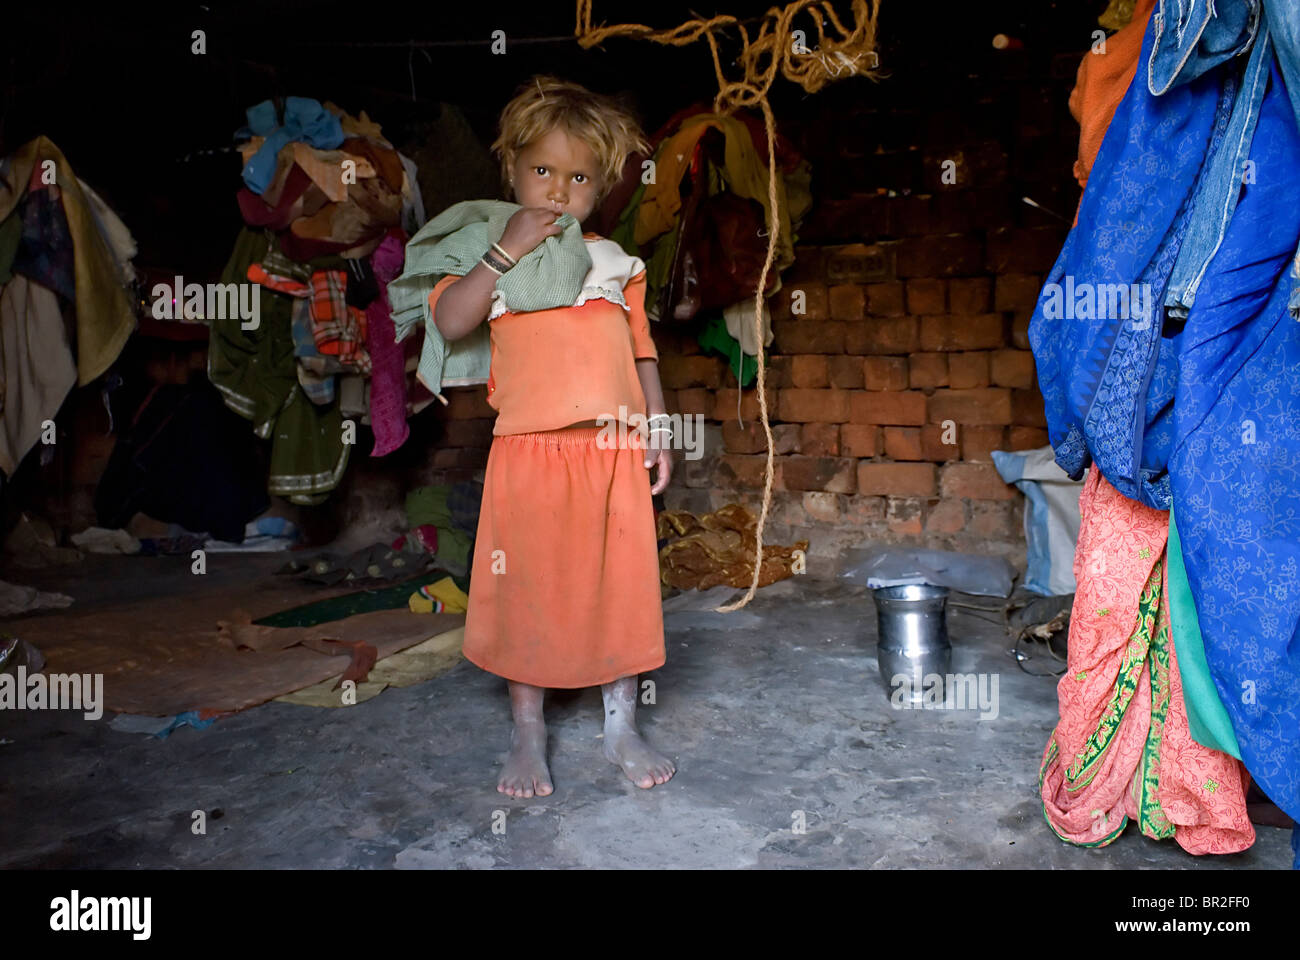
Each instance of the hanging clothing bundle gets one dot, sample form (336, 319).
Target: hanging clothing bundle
(325, 202)
(705, 248)
(65, 302)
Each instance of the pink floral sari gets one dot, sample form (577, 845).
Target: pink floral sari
(1122, 749)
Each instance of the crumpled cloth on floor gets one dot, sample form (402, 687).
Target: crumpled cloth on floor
(103, 540)
(377, 562)
(32, 544)
(718, 548)
(16, 598)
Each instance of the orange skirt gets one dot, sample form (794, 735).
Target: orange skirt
(564, 590)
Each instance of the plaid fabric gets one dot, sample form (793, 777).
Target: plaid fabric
(339, 330)
(276, 263)
(316, 380)
(258, 273)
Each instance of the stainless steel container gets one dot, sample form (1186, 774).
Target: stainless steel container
(913, 637)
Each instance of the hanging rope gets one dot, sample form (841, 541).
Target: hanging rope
(774, 49)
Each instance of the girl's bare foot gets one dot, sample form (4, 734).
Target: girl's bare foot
(624, 746)
(525, 773)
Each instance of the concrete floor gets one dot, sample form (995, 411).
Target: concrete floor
(768, 711)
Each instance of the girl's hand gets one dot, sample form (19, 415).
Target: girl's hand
(527, 228)
(657, 453)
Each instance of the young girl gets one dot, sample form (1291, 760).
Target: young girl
(565, 583)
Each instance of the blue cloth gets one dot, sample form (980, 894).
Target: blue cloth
(1192, 37)
(1283, 18)
(1108, 381)
(1235, 462)
(304, 119)
(1220, 186)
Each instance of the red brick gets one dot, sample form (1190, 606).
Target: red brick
(832, 474)
(815, 301)
(946, 516)
(676, 372)
(1021, 249)
(969, 296)
(859, 440)
(899, 408)
(1013, 368)
(944, 256)
(808, 336)
(1027, 408)
(903, 443)
(845, 372)
(973, 481)
(896, 479)
(848, 302)
(990, 405)
(697, 400)
(932, 445)
(860, 262)
(778, 372)
(949, 333)
(977, 442)
(809, 266)
(903, 514)
(885, 299)
(991, 520)
(823, 507)
(882, 335)
(724, 404)
(785, 438)
(1020, 330)
(815, 406)
(819, 439)
(809, 370)
(1016, 291)
(1026, 438)
(927, 370)
(967, 370)
(468, 403)
(859, 509)
(926, 296)
(885, 373)
(746, 439)
(735, 472)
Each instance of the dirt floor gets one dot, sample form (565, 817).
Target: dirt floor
(775, 716)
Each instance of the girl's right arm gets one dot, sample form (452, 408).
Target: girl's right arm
(464, 304)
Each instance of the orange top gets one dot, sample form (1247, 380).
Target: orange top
(553, 368)
(1100, 84)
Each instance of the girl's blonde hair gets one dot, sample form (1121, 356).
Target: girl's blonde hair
(602, 122)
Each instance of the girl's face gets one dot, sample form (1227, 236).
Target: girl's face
(559, 172)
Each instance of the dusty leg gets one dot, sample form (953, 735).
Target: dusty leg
(643, 765)
(525, 772)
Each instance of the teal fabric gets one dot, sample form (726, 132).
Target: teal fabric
(550, 275)
(1206, 718)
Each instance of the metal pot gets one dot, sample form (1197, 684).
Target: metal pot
(913, 636)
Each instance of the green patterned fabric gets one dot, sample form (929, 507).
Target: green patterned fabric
(256, 372)
(550, 275)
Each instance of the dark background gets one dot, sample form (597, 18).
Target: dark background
(116, 87)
